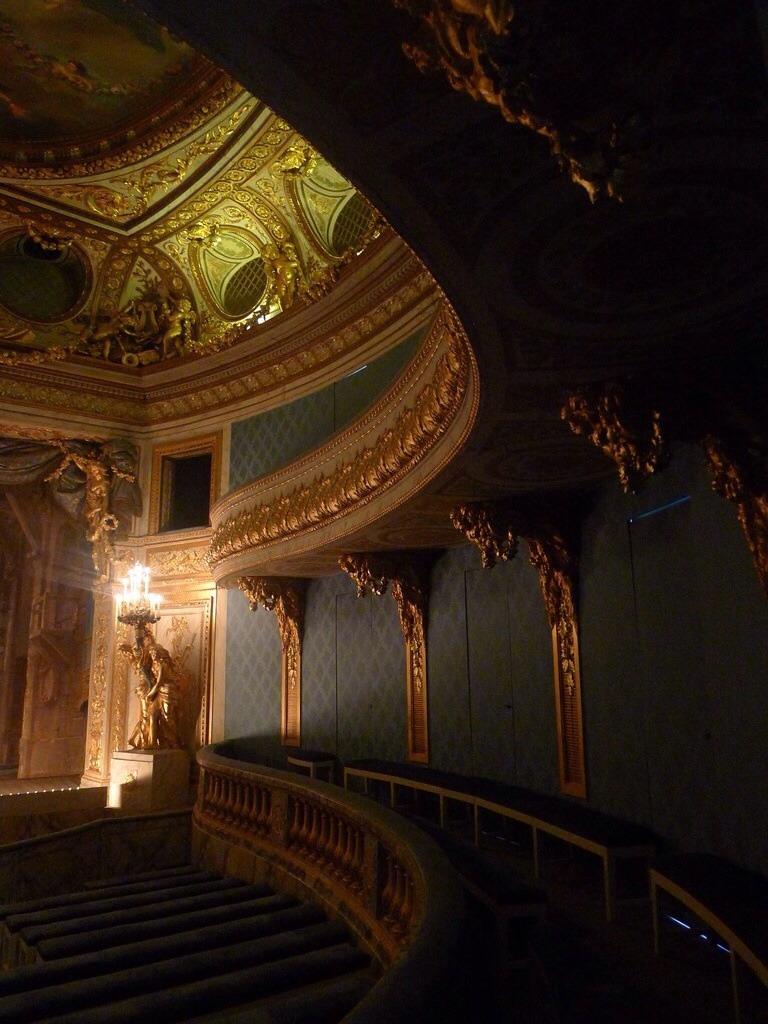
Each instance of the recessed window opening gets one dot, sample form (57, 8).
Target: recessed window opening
(185, 500)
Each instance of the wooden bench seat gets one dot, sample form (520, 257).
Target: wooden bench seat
(730, 900)
(609, 838)
(314, 761)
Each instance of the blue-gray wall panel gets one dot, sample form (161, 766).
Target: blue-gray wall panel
(252, 698)
(674, 662)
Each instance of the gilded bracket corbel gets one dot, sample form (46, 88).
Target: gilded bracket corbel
(719, 411)
(553, 546)
(627, 427)
(285, 597)
(740, 474)
(407, 578)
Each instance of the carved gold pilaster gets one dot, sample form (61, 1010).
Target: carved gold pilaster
(286, 598)
(740, 474)
(553, 544)
(96, 755)
(627, 428)
(408, 580)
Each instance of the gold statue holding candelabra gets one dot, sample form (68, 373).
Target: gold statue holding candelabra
(158, 690)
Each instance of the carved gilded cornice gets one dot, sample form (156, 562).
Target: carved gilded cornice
(286, 598)
(551, 531)
(291, 351)
(406, 575)
(360, 465)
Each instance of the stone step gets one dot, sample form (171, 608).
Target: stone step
(157, 874)
(214, 896)
(205, 966)
(99, 906)
(324, 1002)
(123, 888)
(152, 950)
(217, 994)
(103, 938)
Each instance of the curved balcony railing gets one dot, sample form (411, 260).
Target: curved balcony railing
(389, 882)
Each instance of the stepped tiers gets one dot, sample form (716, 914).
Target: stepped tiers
(178, 945)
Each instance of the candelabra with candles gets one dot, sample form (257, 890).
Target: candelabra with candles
(136, 606)
(157, 690)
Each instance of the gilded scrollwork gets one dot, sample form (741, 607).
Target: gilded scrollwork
(552, 538)
(407, 578)
(119, 692)
(740, 474)
(285, 597)
(398, 448)
(98, 691)
(494, 541)
(520, 58)
(628, 429)
(715, 408)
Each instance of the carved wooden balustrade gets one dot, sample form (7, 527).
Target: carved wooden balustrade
(363, 862)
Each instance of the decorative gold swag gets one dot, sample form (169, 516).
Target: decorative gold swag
(94, 482)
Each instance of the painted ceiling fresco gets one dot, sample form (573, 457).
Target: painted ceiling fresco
(71, 68)
(150, 208)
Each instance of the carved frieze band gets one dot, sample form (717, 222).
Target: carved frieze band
(286, 598)
(407, 577)
(354, 480)
(723, 414)
(552, 538)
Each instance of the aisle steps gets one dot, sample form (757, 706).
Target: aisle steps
(176, 946)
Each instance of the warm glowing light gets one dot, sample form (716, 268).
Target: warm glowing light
(136, 601)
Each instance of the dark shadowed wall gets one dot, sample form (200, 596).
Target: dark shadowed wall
(674, 662)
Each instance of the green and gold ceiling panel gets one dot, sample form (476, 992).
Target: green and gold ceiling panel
(149, 206)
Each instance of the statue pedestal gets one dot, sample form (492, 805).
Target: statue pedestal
(149, 780)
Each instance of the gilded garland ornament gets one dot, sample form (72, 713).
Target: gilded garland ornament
(350, 484)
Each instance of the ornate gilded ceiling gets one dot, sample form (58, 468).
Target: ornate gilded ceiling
(150, 208)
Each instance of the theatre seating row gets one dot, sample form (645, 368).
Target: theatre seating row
(730, 901)
(177, 945)
(612, 840)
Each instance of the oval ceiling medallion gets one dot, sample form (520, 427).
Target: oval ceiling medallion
(41, 280)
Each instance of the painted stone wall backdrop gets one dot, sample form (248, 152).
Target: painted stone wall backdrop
(265, 443)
